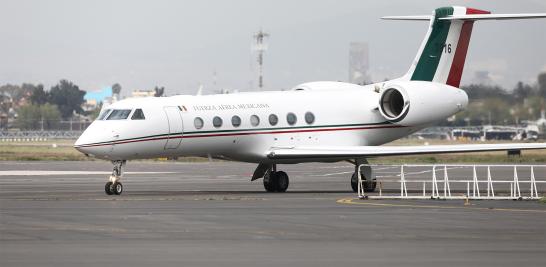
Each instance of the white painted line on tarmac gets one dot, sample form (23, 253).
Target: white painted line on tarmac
(330, 174)
(47, 173)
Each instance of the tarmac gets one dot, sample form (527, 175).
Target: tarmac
(210, 214)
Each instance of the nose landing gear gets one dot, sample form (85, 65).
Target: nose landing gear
(114, 186)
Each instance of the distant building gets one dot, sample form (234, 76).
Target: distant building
(143, 93)
(94, 98)
(359, 63)
(482, 77)
(98, 96)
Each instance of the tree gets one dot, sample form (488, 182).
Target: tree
(480, 91)
(16, 92)
(116, 89)
(159, 91)
(522, 91)
(34, 117)
(542, 84)
(68, 98)
(93, 114)
(39, 96)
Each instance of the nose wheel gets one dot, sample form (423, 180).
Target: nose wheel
(114, 186)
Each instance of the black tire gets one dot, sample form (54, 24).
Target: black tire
(369, 186)
(354, 182)
(108, 188)
(270, 182)
(282, 181)
(117, 188)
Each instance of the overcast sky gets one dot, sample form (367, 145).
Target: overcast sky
(181, 44)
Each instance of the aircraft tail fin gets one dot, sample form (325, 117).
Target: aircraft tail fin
(442, 54)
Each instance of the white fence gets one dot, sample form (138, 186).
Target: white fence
(473, 186)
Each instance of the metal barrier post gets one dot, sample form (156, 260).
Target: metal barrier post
(403, 188)
(359, 185)
(435, 193)
(490, 190)
(516, 182)
(475, 186)
(446, 183)
(534, 192)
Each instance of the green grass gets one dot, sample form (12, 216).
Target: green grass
(32, 151)
(62, 150)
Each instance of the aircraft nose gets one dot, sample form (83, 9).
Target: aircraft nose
(82, 142)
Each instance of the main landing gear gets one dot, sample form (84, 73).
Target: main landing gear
(368, 183)
(276, 181)
(114, 186)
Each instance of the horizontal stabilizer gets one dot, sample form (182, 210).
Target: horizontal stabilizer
(344, 152)
(425, 17)
(471, 17)
(495, 16)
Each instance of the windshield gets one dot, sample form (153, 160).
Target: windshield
(138, 115)
(103, 114)
(119, 114)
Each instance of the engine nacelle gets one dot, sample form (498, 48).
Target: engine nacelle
(416, 102)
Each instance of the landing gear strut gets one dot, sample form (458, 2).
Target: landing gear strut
(276, 181)
(114, 186)
(368, 182)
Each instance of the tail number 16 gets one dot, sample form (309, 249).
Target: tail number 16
(447, 48)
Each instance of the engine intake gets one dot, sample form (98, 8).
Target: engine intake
(393, 104)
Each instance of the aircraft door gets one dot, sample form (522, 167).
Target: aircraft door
(176, 127)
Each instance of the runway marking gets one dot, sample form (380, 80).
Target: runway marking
(330, 174)
(48, 173)
(350, 201)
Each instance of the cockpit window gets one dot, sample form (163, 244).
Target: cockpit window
(103, 114)
(119, 114)
(138, 115)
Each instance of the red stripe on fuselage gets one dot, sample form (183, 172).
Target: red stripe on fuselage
(245, 133)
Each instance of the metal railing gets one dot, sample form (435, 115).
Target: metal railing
(22, 136)
(439, 185)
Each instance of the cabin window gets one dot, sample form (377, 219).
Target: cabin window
(236, 121)
(138, 115)
(291, 118)
(217, 122)
(198, 123)
(103, 114)
(309, 117)
(273, 119)
(119, 114)
(254, 120)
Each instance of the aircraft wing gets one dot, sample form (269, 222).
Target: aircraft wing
(348, 152)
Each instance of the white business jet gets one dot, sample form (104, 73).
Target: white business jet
(314, 122)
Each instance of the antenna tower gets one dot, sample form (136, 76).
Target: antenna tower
(260, 47)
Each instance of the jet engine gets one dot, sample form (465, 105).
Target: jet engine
(413, 103)
(394, 104)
